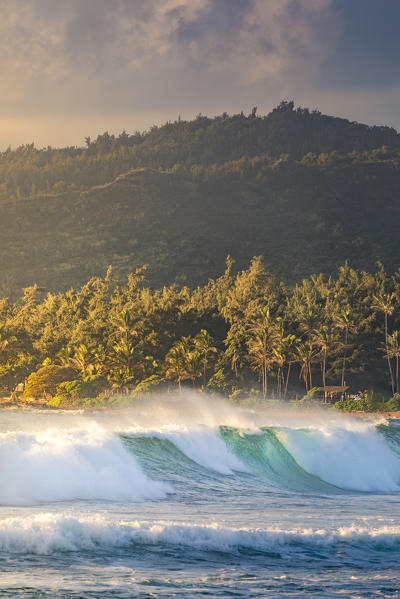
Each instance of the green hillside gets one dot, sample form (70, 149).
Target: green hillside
(306, 190)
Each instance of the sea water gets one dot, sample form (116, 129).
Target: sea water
(190, 497)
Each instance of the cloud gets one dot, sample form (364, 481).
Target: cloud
(104, 56)
(142, 61)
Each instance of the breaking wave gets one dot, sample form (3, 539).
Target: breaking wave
(60, 457)
(58, 464)
(50, 533)
(325, 459)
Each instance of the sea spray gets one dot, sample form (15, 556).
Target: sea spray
(60, 464)
(58, 456)
(355, 459)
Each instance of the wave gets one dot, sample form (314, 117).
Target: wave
(356, 458)
(59, 464)
(266, 456)
(50, 533)
(59, 457)
(326, 459)
(201, 445)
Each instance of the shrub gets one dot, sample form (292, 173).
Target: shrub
(76, 390)
(393, 403)
(148, 385)
(317, 392)
(367, 401)
(44, 381)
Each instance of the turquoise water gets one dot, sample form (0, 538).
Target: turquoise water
(192, 498)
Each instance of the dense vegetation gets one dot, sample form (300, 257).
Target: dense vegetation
(305, 190)
(241, 332)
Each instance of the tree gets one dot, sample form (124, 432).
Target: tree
(325, 340)
(306, 352)
(204, 344)
(262, 334)
(393, 351)
(176, 361)
(284, 356)
(126, 326)
(344, 320)
(83, 361)
(44, 382)
(386, 302)
(123, 362)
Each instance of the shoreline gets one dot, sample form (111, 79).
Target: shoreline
(8, 403)
(393, 414)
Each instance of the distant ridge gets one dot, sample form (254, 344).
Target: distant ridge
(307, 191)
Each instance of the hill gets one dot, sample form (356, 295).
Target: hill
(307, 191)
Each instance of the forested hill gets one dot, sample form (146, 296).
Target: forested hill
(307, 191)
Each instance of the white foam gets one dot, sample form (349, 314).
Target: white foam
(63, 464)
(206, 447)
(52, 455)
(353, 457)
(202, 445)
(49, 533)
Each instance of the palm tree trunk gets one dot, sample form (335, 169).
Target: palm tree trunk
(305, 376)
(387, 353)
(344, 355)
(264, 380)
(287, 379)
(278, 383)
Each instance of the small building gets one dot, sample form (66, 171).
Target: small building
(332, 390)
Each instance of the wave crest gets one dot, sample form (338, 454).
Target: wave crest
(58, 464)
(49, 533)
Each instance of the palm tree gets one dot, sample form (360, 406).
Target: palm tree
(235, 349)
(101, 359)
(393, 350)
(83, 361)
(325, 340)
(5, 340)
(204, 344)
(386, 302)
(344, 321)
(306, 352)
(124, 359)
(125, 325)
(194, 366)
(65, 355)
(284, 356)
(262, 334)
(176, 361)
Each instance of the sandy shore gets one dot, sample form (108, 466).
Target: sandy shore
(395, 414)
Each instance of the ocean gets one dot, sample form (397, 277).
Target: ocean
(191, 497)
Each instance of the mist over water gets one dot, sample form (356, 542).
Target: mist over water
(240, 500)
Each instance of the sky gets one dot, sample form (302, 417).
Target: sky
(76, 68)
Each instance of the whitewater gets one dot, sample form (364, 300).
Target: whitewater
(189, 496)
